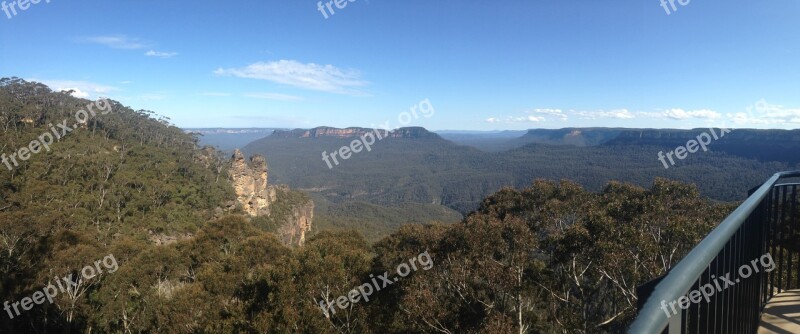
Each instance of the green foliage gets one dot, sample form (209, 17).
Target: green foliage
(436, 171)
(548, 258)
(374, 221)
(281, 211)
(126, 173)
(108, 184)
(552, 257)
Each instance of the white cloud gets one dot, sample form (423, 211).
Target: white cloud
(537, 115)
(681, 114)
(115, 42)
(162, 55)
(326, 78)
(551, 112)
(82, 89)
(273, 96)
(764, 113)
(520, 119)
(77, 92)
(741, 118)
(616, 113)
(543, 114)
(761, 113)
(529, 119)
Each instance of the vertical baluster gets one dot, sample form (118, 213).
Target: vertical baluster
(755, 287)
(694, 313)
(747, 301)
(764, 222)
(753, 242)
(773, 237)
(725, 297)
(782, 239)
(730, 294)
(719, 300)
(738, 304)
(795, 238)
(705, 308)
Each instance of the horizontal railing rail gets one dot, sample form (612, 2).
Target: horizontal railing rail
(761, 225)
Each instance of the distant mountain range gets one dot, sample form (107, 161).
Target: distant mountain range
(355, 132)
(432, 176)
(763, 145)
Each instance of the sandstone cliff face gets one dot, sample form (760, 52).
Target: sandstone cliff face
(294, 233)
(256, 195)
(250, 184)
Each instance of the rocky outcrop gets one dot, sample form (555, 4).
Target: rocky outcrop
(321, 132)
(299, 222)
(250, 179)
(250, 183)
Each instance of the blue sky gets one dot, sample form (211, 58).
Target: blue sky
(482, 65)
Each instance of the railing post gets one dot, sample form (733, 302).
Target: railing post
(751, 230)
(675, 324)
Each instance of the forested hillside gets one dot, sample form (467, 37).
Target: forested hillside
(549, 258)
(123, 172)
(432, 171)
(107, 186)
(762, 145)
(111, 180)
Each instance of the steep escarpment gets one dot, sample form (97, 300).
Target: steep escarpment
(290, 214)
(567, 136)
(671, 136)
(415, 132)
(761, 145)
(298, 219)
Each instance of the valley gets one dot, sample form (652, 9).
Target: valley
(413, 167)
(441, 180)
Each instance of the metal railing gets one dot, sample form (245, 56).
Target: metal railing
(766, 223)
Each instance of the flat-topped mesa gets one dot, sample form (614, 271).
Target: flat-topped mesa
(414, 132)
(353, 132)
